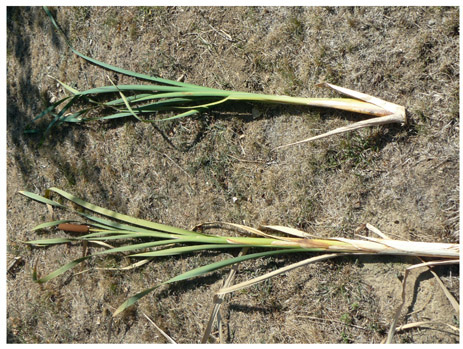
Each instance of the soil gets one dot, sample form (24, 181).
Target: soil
(221, 166)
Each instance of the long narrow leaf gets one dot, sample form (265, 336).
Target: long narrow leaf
(279, 271)
(105, 223)
(201, 271)
(62, 270)
(143, 246)
(385, 112)
(121, 217)
(40, 199)
(185, 249)
(174, 241)
(51, 224)
(45, 242)
(50, 108)
(178, 116)
(110, 67)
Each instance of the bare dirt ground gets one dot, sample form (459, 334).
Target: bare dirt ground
(220, 167)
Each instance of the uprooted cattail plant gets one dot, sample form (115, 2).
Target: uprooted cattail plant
(131, 235)
(182, 99)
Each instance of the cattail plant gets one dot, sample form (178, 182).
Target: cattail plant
(181, 99)
(104, 227)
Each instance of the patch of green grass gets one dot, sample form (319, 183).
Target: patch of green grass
(353, 151)
(345, 337)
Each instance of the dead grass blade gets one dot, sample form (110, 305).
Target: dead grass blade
(377, 231)
(242, 229)
(218, 300)
(288, 230)
(447, 293)
(425, 324)
(277, 272)
(393, 326)
(421, 324)
(165, 335)
(382, 120)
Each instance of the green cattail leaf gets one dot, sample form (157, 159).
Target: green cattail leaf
(163, 104)
(132, 99)
(118, 88)
(148, 108)
(165, 99)
(114, 237)
(188, 113)
(103, 234)
(116, 69)
(122, 217)
(59, 117)
(108, 117)
(67, 87)
(51, 224)
(143, 245)
(55, 241)
(40, 199)
(75, 117)
(50, 108)
(134, 299)
(127, 229)
(62, 270)
(200, 271)
(185, 249)
(224, 263)
(207, 105)
(126, 102)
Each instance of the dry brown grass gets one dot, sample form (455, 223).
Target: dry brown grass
(220, 167)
